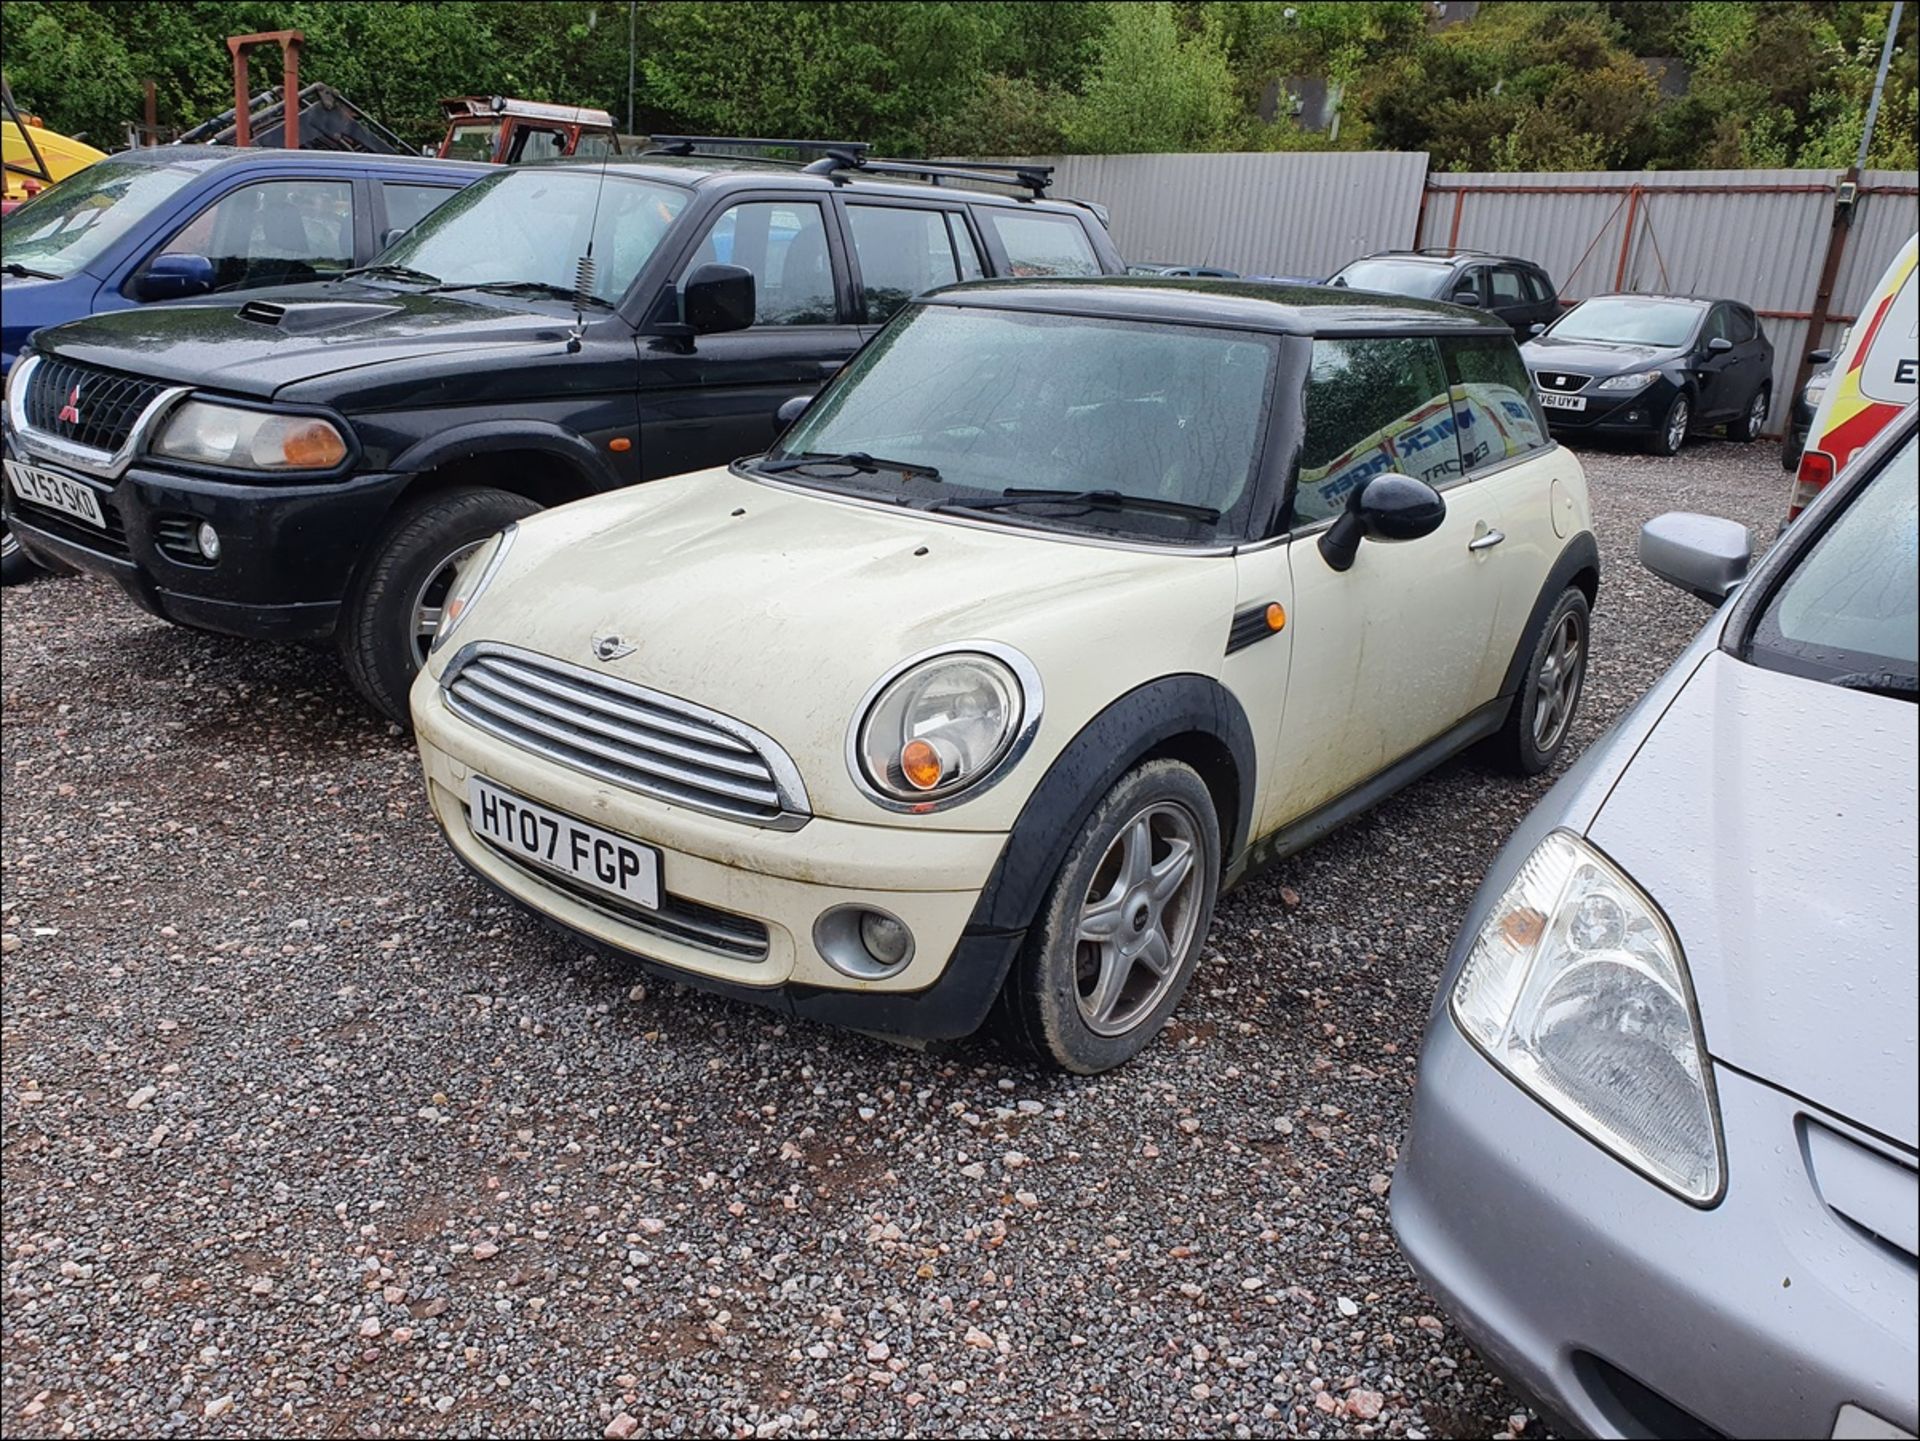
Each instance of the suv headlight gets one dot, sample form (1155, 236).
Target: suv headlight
(1576, 988)
(476, 573)
(207, 434)
(1639, 380)
(943, 725)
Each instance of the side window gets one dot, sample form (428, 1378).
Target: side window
(1495, 412)
(408, 205)
(963, 248)
(1473, 278)
(1717, 326)
(1741, 326)
(1039, 243)
(533, 143)
(1509, 287)
(1540, 288)
(278, 232)
(901, 253)
(1372, 406)
(784, 244)
(594, 142)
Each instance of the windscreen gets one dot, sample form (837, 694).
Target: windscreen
(529, 228)
(65, 227)
(474, 142)
(992, 405)
(1625, 320)
(1419, 279)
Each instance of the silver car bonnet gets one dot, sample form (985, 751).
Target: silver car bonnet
(1773, 819)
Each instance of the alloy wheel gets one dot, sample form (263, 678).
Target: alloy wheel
(1677, 425)
(1756, 414)
(1138, 919)
(1558, 685)
(431, 601)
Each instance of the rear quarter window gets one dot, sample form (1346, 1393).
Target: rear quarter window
(1038, 243)
(1494, 406)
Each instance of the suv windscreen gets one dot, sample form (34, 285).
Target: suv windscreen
(61, 231)
(981, 407)
(1849, 611)
(1420, 279)
(1627, 320)
(529, 228)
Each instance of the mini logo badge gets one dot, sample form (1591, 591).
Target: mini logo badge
(610, 647)
(70, 412)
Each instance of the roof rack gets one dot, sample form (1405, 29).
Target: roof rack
(1034, 178)
(694, 144)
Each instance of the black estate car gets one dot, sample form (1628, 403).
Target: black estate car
(1653, 368)
(314, 463)
(1518, 291)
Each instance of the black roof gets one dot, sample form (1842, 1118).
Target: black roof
(210, 155)
(1233, 304)
(1449, 257)
(704, 171)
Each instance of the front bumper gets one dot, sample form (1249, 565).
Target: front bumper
(287, 552)
(1625, 1311)
(932, 880)
(1641, 413)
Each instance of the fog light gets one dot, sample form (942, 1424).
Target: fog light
(208, 540)
(868, 945)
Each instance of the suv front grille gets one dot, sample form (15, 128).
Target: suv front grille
(1560, 380)
(640, 739)
(106, 403)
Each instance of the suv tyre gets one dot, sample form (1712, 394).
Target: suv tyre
(15, 564)
(393, 605)
(1537, 726)
(1120, 933)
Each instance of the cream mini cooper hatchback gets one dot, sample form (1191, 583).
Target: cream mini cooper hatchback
(1062, 607)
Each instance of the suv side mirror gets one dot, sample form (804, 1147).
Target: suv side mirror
(1702, 554)
(174, 277)
(1383, 507)
(1719, 345)
(791, 409)
(1539, 327)
(717, 298)
(389, 235)
(1466, 295)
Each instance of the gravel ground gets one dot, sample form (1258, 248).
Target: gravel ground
(306, 1133)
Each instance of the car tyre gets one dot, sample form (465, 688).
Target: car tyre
(15, 564)
(1537, 727)
(1672, 431)
(1121, 930)
(1753, 419)
(393, 604)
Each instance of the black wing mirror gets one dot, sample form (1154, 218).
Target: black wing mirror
(174, 277)
(1467, 297)
(1384, 507)
(791, 409)
(1819, 357)
(717, 298)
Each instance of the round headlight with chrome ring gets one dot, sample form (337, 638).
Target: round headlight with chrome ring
(943, 725)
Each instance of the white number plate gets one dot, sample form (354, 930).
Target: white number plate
(1562, 402)
(594, 857)
(47, 487)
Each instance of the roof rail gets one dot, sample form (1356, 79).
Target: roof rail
(1450, 250)
(695, 144)
(1034, 178)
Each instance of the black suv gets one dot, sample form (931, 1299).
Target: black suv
(314, 463)
(1518, 291)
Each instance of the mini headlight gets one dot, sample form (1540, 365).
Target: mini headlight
(943, 725)
(1576, 988)
(208, 434)
(476, 573)
(1639, 380)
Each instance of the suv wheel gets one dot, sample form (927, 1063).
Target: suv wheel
(15, 564)
(393, 607)
(1749, 425)
(1672, 432)
(1536, 728)
(1120, 933)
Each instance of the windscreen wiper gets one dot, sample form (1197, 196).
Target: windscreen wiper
(398, 272)
(1090, 499)
(525, 287)
(14, 267)
(1879, 682)
(851, 459)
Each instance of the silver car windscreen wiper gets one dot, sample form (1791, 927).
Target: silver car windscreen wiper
(398, 272)
(1090, 499)
(1879, 682)
(523, 287)
(850, 459)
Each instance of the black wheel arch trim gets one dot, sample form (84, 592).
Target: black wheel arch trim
(1582, 553)
(493, 437)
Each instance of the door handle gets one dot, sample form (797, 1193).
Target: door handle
(1487, 541)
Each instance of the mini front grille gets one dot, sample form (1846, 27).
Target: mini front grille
(1560, 380)
(111, 541)
(86, 405)
(637, 738)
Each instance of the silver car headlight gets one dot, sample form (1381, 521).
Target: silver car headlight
(476, 573)
(1577, 989)
(1639, 380)
(940, 726)
(227, 435)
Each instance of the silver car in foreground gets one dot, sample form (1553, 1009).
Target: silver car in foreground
(1662, 1164)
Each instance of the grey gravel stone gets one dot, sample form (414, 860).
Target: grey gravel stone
(372, 1072)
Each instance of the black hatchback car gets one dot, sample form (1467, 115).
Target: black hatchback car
(1518, 291)
(315, 463)
(1654, 368)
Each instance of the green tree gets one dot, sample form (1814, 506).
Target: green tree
(1154, 88)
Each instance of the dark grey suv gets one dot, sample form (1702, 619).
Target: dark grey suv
(1518, 291)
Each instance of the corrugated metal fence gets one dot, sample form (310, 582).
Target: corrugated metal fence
(1759, 236)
